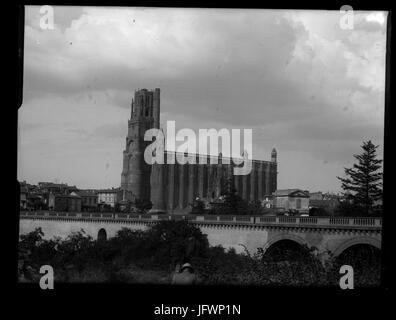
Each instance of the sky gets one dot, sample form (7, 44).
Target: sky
(305, 86)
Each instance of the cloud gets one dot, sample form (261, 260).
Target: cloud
(298, 80)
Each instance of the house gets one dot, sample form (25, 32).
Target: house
(50, 187)
(74, 204)
(324, 203)
(63, 202)
(89, 200)
(109, 197)
(56, 188)
(316, 196)
(35, 202)
(291, 199)
(31, 188)
(328, 202)
(23, 197)
(31, 198)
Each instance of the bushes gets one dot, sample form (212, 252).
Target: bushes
(138, 256)
(220, 266)
(346, 209)
(229, 268)
(158, 248)
(319, 212)
(366, 263)
(176, 241)
(143, 206)
(198, 207)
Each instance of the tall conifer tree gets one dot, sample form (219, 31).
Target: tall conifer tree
(364, 180)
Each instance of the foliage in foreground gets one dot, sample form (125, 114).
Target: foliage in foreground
(150, 257)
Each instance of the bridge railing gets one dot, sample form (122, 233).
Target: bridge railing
(231, 219)
(321, 221)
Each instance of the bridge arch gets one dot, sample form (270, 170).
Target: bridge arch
(102, 235)
(354, 241)
(280, 237)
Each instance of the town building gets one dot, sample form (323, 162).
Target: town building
(109, 197)
(89, 200)
(172, 187)
(291, 199)
(63, 202)
(23, 197)
(35, 202)
(328, 202)
(31, 197)
(316, 196)
(56, 188)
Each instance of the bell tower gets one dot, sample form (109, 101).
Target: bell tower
(274, 170)
(145, 111)
(273, 155)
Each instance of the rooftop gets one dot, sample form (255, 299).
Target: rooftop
(289, 192)
(113, 190)
(84, 193)
(197, 156)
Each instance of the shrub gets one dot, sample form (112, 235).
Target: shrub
(175, 241)
(157, 250)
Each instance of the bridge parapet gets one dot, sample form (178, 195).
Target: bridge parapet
(322, 221)
(326, 222)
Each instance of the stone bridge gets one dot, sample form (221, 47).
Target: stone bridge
(327, 234)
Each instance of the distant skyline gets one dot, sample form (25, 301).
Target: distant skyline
(308, 88)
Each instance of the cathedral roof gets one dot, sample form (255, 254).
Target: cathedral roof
(220, 156)
(291, 193)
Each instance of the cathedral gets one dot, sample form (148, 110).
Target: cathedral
(172, 187)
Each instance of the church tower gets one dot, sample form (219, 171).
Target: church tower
(145, 112)
(273, 155)
(274, 170)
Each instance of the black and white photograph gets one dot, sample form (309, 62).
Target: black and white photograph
(201, 147)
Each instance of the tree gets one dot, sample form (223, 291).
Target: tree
(232, 203)
(169, 242)
(198, 207)
(255, 207)
(143, 205)
(318, 211)
(363, 181)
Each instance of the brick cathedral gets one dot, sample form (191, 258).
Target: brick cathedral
(172, 187)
